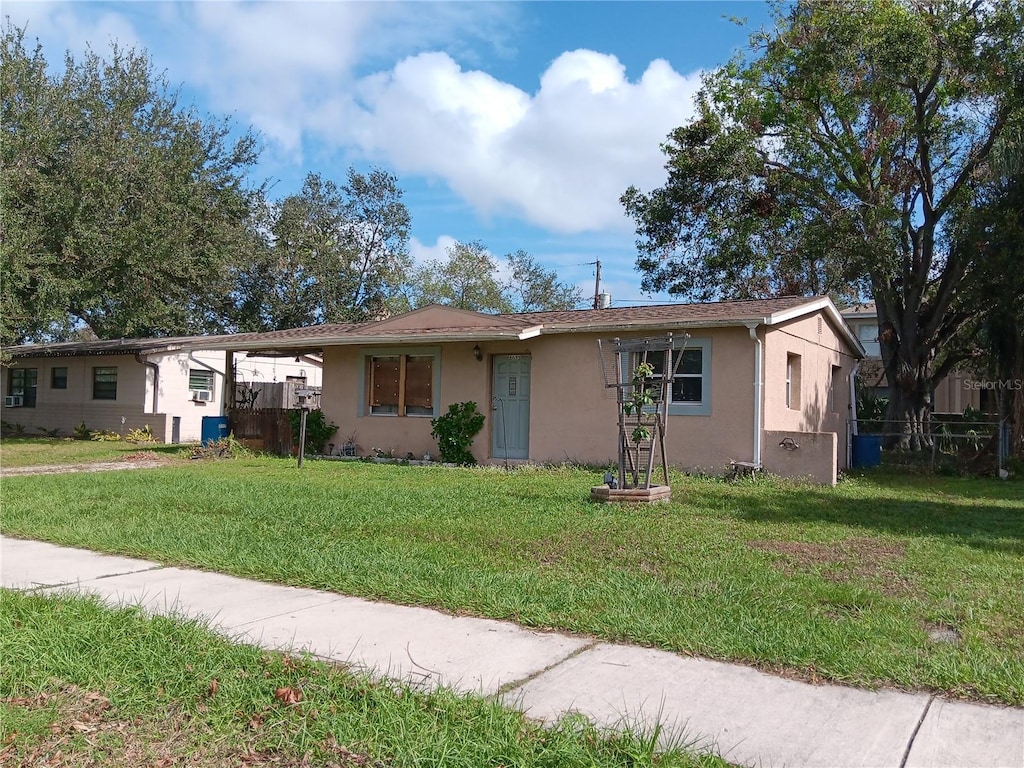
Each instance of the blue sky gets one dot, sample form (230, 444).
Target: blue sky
(515, 124)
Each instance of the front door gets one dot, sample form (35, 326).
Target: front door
(511, 407)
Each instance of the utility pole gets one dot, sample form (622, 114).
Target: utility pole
(597, 286)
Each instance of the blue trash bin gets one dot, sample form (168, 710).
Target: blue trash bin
(867, 451)
(214, 428)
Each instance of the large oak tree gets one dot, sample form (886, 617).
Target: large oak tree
(828, 158)
(121, 209)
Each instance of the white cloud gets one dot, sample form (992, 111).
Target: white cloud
(560, 158)
(421, 253)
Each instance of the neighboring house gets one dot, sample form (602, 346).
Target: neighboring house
(168, 384)
(754, 373)
(953, 394)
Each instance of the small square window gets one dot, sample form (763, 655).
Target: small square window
(200, 380)
(59, 378)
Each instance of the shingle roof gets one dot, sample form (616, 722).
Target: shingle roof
(108, 346)
(453, 325)
(727, 311)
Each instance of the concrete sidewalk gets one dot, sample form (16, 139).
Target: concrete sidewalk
(746, 716)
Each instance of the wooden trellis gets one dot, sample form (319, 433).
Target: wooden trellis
(642, 402)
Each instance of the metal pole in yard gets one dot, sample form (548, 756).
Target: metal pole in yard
(302, 434)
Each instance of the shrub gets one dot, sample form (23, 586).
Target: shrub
(223, 448)
(144, 435)
(318, 429)
(455, 431)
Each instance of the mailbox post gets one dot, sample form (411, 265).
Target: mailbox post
(305, 397)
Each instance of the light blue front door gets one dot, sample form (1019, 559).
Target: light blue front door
(511, 413)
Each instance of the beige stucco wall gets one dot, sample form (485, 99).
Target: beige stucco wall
(572, 416)
(812, 455)
(64, 409)
(823, 405)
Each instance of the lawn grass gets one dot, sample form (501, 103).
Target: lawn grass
(87, 685)
(849, 584)
(40, 451)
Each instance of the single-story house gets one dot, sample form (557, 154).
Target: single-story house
(755, 373)
(168, 384)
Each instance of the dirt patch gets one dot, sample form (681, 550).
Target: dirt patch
(84, 730)
(130, 461)
(861, 559)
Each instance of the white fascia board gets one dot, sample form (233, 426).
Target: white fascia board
(824, 303)
(653, 326)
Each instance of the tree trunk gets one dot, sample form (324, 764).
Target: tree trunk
(908, 371)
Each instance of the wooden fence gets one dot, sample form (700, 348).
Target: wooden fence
(263, 429)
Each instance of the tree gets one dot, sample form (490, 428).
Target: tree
(830, 159)
(994, 228)
(531, 288)
(121, 210)
(336, 254)
(470, 279)
(467, 279)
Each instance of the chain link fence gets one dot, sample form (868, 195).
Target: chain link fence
(946, 443)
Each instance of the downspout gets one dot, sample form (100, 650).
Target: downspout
(156, 379)
(758, 354)
(852, 428)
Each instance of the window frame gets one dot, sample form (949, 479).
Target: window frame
(836, 378)
(793, 380)
(27, 390)
(682, 407)
(205, 374)
(402, 353)
(54, 378)
(95, 380)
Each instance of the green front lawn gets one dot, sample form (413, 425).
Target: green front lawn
(86, 685)
(862, 583)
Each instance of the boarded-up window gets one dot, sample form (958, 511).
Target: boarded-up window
(401, 385)
(419, 385)
(385, 374)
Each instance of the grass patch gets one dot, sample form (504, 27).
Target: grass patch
(845, 584)
(87, 685)
(42, 451)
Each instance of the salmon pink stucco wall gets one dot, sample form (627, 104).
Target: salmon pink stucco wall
(819, 402)
(572, 415)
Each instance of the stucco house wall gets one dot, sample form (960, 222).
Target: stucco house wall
(807, 391)
(572, 415)
(64, 409)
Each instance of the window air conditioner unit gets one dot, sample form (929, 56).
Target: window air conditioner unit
(202, 395)
(12, 401)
